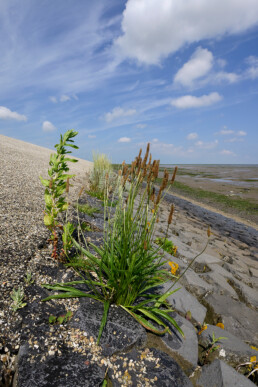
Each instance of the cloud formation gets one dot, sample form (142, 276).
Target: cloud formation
(124, 139)
(154, 29)
(190, 101)
(199, 65)
(91, 136)
(206, 145)
(7, 114)
(227, 152)
(118, 112)
(47, 126)
(192, 136)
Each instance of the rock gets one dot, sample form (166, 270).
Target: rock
(121, 332)
(67, 370)
(232, 350)
(219, 374)
(183, 302)
(246, 294)
(148, 368)
(186, 347)
(238, 319)
(195, 284)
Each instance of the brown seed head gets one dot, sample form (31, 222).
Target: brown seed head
(146, 156)
(209, 232)
(119, 172)
(81, 191)
(156, 173)
(171, 214)
(174, 176)
(67, 185)
(145, 245)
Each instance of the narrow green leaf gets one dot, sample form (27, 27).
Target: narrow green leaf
(170, 319)
(165, 296)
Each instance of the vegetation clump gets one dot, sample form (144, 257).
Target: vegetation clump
(127, 269)
(57, 186)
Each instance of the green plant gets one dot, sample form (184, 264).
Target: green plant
(28, 279)
(87, 209)
(61, 319)
(128, 268)
(68, 230)
(167, 245)
(18, 297)
(57, 185)
(101, 166)
(212, 347)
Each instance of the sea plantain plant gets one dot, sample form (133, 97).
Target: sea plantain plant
(57, 185)
(128, 270)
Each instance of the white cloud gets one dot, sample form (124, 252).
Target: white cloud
(153, 29)
(229, 77)
(155, 140)
(227, 152)
(241, 133)
(118, 112)
(234, 139)
(225, 132)
(7, 114)
(190, 101)
(91, 136)
(141, 126)
(47, 126)
(199, 65)
(252, 71)
(221, 62)
(53, 99)
(124, 139)
(206, 145)
(64, 98)
(192, 136)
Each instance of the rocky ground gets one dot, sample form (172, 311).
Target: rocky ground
(220, 287)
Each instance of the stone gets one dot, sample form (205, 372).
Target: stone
(219, 374)
(67, 370)
(148, 368)
(195, 284)
(121, 332)
(232, 350)
(182, 301)
(238, 319)
(185, 347)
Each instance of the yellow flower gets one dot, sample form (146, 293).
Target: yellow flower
(220, 325)
(203, 329)
(174, 267)
(175, 250)
(253, 359)
(253, 347)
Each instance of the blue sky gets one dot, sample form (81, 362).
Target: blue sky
(181, 74)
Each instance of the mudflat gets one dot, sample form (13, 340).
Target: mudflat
(232, 189)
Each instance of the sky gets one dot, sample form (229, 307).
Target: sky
(180, 74)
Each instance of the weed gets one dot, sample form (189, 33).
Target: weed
(28, 279)
(128, 268)
(87, 209)
(18, 297)
(167, 245)
(212, 347)
(57, 185)
(68, 230)
(61, 319)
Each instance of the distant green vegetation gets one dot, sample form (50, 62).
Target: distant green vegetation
(87, 209)
(216, 198)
